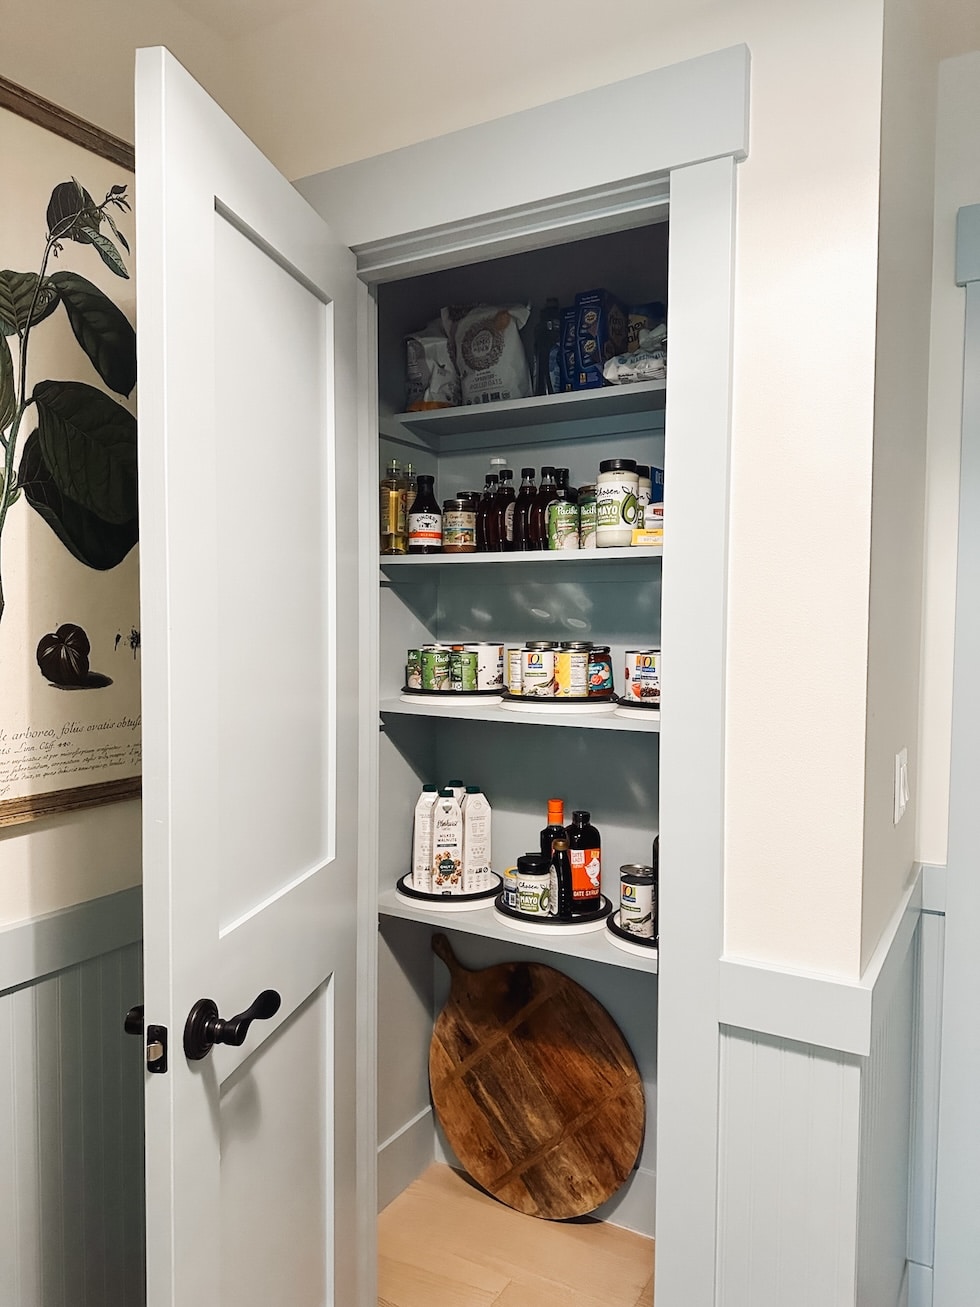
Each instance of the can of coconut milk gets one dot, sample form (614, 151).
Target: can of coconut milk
(636, 903)
(489, 666)
(538, 670)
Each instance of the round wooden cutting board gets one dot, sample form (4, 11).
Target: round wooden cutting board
(535, 1087)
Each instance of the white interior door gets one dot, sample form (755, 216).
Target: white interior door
(247, 470)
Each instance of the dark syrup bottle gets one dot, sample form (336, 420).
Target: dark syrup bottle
(656, 890)
(585, 855)
(504, 502)
(538, 514)
(522, 509)
(484, 508)
(560, 888)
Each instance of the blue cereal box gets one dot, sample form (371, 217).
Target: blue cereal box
(600, 334)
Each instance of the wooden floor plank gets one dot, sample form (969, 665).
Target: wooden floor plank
(453, 1245)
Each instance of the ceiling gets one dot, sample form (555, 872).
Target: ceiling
(320, 82)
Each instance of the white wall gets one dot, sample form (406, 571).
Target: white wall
(362, 79)
(898, 476)
(957, 184)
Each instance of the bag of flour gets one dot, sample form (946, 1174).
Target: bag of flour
(485, 344)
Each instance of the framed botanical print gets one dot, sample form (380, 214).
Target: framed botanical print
(69, 529)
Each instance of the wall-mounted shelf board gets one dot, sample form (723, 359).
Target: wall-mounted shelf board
(593, 947)
(590, 558)
(495, 713)
(611, 411)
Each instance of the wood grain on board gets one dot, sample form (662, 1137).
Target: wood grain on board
(535, 1087)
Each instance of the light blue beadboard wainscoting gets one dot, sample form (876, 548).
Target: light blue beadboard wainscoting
(71, 1108)
(828, 1118)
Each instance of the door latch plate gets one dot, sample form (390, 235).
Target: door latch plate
(156, 1049)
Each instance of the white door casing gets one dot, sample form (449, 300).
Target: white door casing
(957, 1250)
(248, 474)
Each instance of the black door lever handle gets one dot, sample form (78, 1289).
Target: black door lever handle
(204, 1028)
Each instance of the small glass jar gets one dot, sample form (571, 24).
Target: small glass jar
(600, 671)
(459, 526)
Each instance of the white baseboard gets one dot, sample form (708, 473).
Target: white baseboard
(403, 1156)
(635, 1205)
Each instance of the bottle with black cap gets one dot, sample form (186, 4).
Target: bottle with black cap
(585, 855)
(425, 520)
(560, 890)
(522, 509)
(538, 516)
(483, 511)
(503, 511)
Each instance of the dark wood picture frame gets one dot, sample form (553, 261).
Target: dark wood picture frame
(24, 103)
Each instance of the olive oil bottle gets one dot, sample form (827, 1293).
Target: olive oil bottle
(394, 538)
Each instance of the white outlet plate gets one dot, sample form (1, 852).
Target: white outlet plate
(901, 784)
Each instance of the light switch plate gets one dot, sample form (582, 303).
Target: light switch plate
(901, 784)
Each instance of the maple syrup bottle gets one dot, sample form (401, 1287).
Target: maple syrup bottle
(537, 529)
(522, 509)
(504, 503)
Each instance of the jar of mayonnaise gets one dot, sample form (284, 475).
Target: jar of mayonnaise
(617, 489)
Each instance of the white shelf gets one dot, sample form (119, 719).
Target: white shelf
(475, 712)
(611, 411)
(560, 558)
(594, 947)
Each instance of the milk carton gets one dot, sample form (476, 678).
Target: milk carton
(476, 842)
(422, 840)
(447, 845)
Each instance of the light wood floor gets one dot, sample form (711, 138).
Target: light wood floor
(444, 1243)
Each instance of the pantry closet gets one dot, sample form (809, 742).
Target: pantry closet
(630, 187)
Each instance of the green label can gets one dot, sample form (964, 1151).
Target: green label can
(413, 669)
(435, 669)
(463, 664)
(562, 524)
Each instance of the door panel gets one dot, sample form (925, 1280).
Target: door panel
(274, 1196)
(273, 338)
(247, 454)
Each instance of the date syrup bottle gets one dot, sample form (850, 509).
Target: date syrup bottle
(560, 887)
(555, 828)
(585, 855)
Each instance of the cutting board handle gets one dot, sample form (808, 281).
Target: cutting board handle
(442, 948)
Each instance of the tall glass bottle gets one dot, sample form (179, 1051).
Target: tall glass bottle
(407, 487)
(483, 512)
(560, 896)
(522, 509)
(392, 517)
(538, 515)
(504, 502)
(561, 479)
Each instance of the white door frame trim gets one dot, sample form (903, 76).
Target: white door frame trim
(957, 1257)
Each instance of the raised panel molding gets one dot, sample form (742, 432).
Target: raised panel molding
(71, 1109)
(815, 1134)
